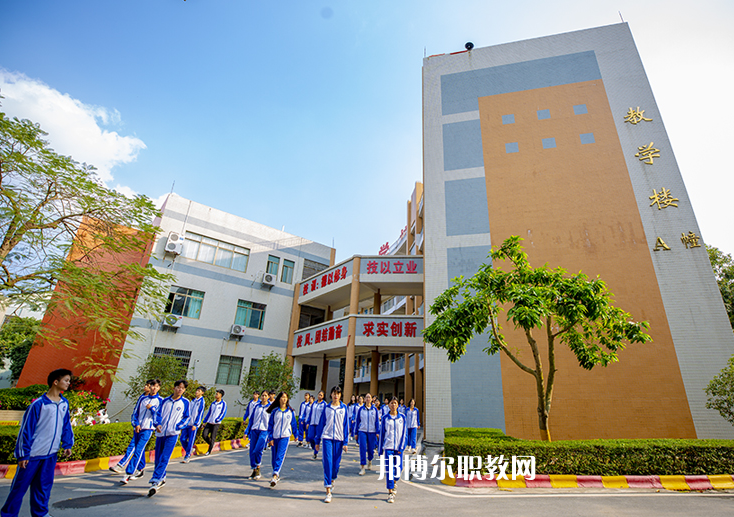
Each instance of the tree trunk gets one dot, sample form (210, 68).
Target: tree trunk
(543, 423)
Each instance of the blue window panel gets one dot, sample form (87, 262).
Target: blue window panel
(460, 91)
(543, 114)
(466, 207)
(549, 143)
(580, 109)
(462, 145)
(508, 119)
(512, 147)
(587, 138)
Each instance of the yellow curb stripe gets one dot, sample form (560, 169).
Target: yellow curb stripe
(448, 480)
(674, 483)
(201, 448)
(510, 483)
(722, 482)
(10, 474)
(226, 445)
(97, 464)
(563, 481)
(177, 452)
(614, 482)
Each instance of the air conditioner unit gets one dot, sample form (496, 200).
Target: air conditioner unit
(237, 330)
(269, 279)
(171, 320)
(174, 244)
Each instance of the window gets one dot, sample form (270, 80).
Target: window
(203, 249)
(182, 355)
(250, 314)
(310, 268)
(253, 368)
(273, 263)
(288, 267)
(184, 302)
(308, 377)
(229, 370)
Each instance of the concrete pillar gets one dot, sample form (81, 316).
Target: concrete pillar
(295, 317)
(325, 377)
(408, 383)
(377, 303)
(418, 396)
(352, 330)
(374, 380)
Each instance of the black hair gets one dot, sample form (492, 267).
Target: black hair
(335, 389)
(157, 381)
(265, 392)
(149, 382)
(182, 381)
(221, 391)
(256, 391)
(276, 403)
(57, 375)
(202, 388)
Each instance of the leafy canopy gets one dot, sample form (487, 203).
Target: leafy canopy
(273, 372)
(720, 392)
(723, 266)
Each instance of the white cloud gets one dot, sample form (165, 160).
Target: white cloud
(73, 128)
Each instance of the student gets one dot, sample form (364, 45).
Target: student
(171, 418)
(45, 424)
(257, 432)
(351, 408)
(248, 411)
(213, 419)
(392, 444)
(119, 468)
(333, 435)
(413, 421)
(304, 412)
(316, 411)
(401, 407)
(143, 421)
(367, 425)
(281, 426)
(188, 434)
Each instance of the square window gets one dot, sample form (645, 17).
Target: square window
(287, 275)
(273, 263)
(230, 369)
(308, 377)
(512, 147)
(587, 138)
(508, 119)
(250, 314)
(549, 143)
(580, 109)
(543, 114)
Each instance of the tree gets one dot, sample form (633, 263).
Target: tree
(571, 309)
(720, 392)
(66, 242)
(168, 369)
(273, 372)
(17, 336)
(723, 266)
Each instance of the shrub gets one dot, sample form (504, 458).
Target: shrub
(18, 399)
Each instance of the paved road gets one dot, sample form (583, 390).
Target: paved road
(217, 486)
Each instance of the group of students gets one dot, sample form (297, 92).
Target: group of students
(171, 419)
(46, 427)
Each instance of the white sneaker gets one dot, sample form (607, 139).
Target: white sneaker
(117, 469)
(361, 471)
(391, 497)
(327, 499)
(274, 481)
(369, 465)
(125, 480)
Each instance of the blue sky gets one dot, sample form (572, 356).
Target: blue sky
(308, 114)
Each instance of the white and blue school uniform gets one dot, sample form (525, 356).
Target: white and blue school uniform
(304, 413)
(281, 425)
(44, 426)
(257, 432)
(131, 446)
(402, 408)
(367, 424)
(144, 417)
(412, 417)
(250, 407)
(353, 420)
(392, 443)
(188, 435)
(217, 412)
(172, 417)
(333, 434)
(317, 409)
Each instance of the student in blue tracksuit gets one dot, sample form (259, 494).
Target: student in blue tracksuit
(412, 417)
(353, 420)
(213, 419)
(119, 468)
(248, 411)
(257, 432)
(143, 421)
(317, 410)
(401, 407)
(304, 412)
(367, 425)
(188, 433)
(392, 443)
(45, 425)
(281, 426)
(172, 417)
(332, 435)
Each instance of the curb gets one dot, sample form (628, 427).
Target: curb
(679, 483)
(72, 468)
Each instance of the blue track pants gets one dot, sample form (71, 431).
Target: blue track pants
(39, 476)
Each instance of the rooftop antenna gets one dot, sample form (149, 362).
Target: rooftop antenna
(173, 185)
(424, 52)
(620, 16)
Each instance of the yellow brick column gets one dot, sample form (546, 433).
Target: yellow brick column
(352, 330)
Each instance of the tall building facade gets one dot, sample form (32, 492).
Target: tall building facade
(559, 140)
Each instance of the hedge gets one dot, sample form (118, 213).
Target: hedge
(100, 441)
(599, 457)
(18, 399)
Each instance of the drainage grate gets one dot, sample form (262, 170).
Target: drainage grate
(95, 500)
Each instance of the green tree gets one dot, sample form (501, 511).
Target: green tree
(273, 372)
(569, 309)
(17, 336)
(720, 392)
(60, 227)
(723, 266)
(168, 369)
